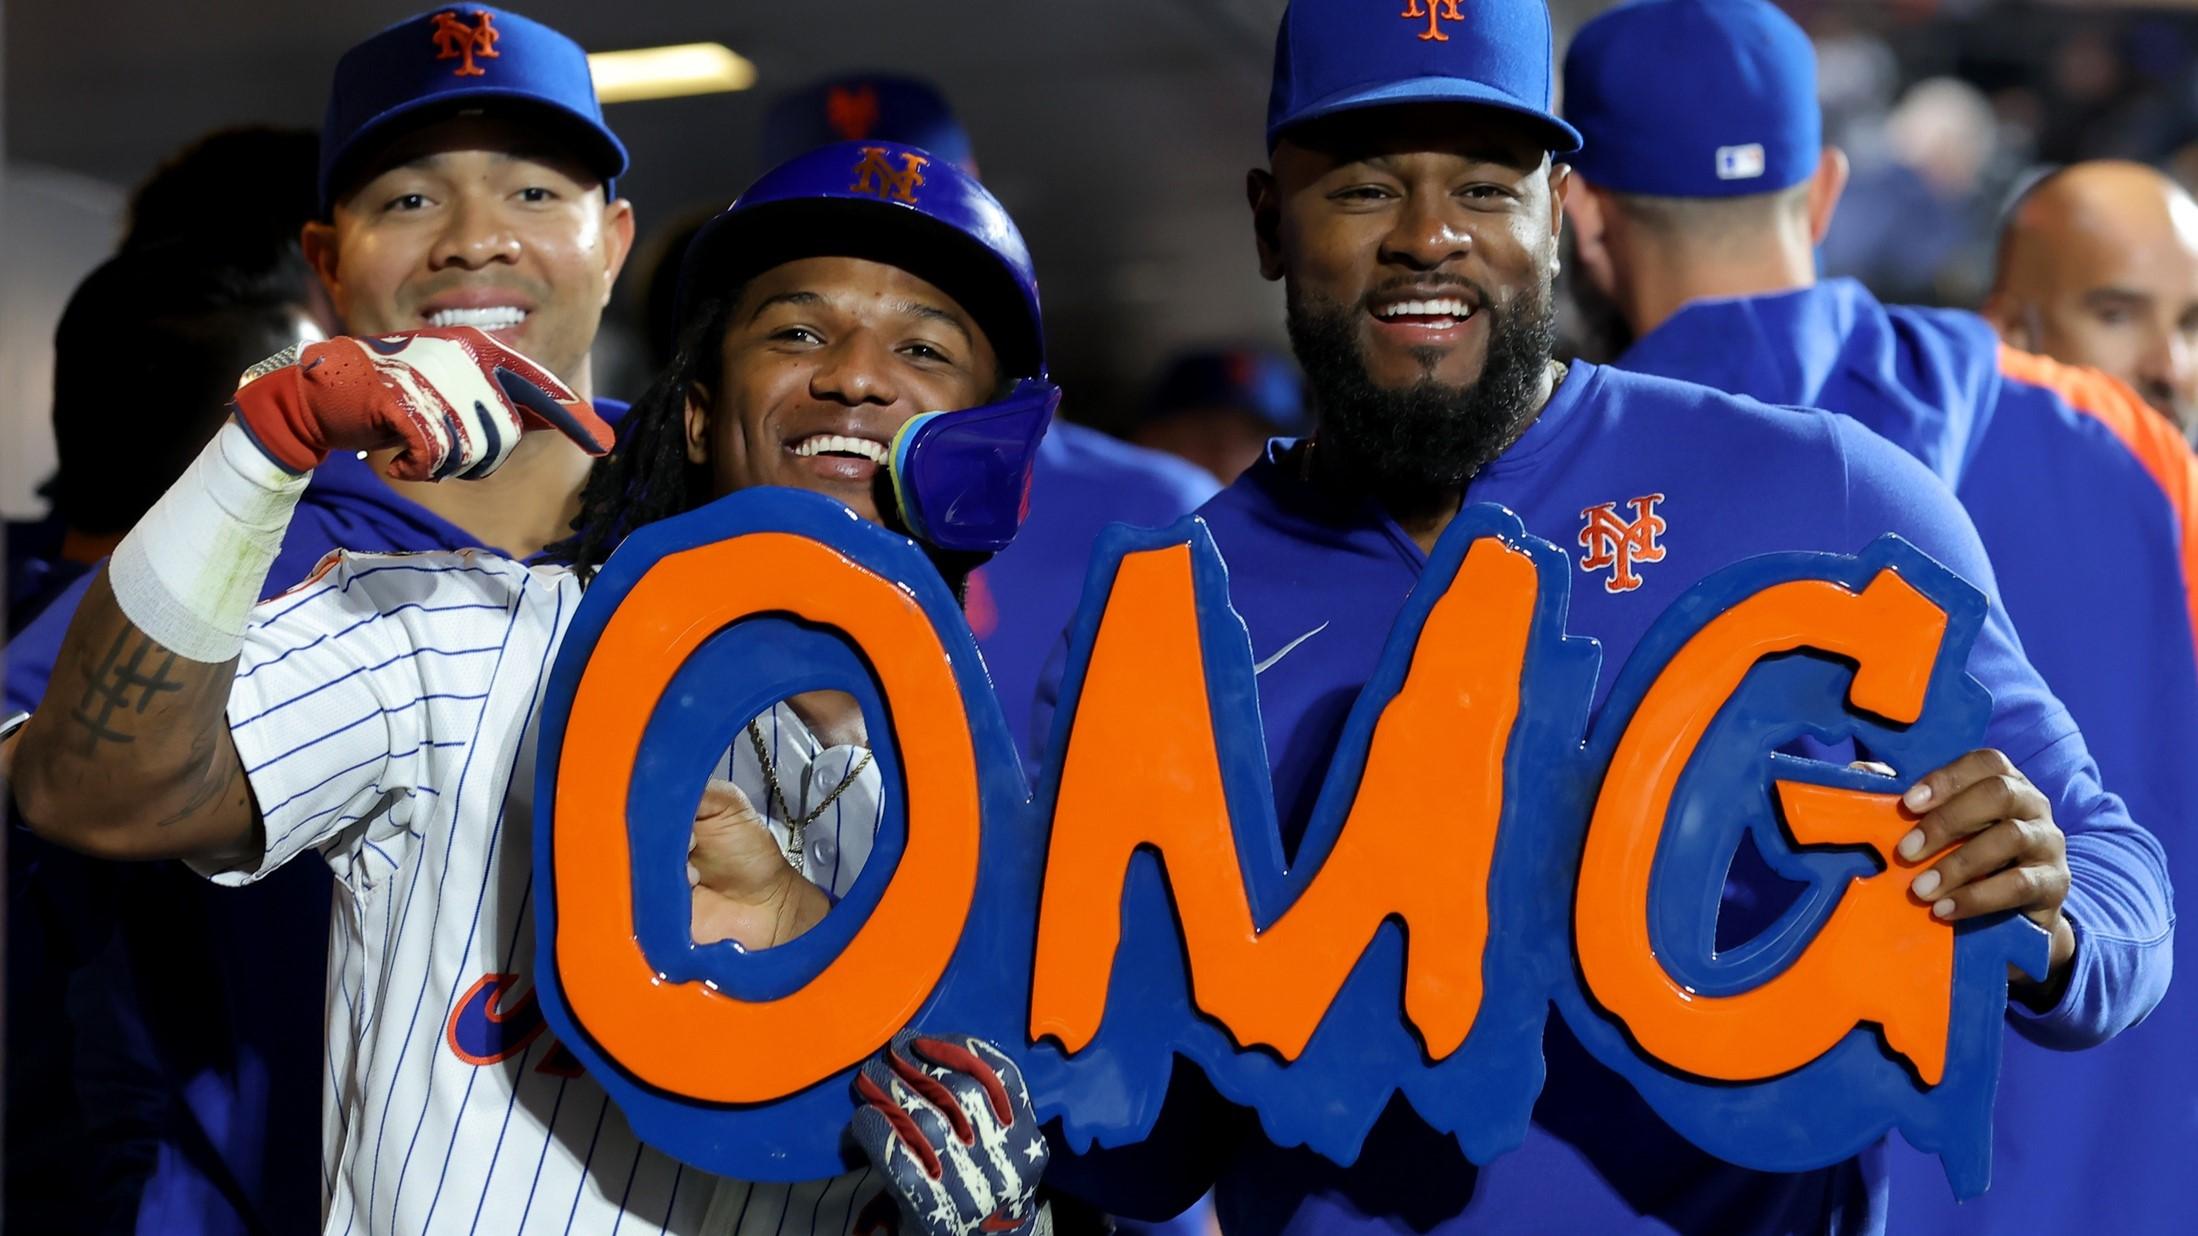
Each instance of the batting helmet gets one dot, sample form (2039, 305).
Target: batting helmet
(961, 478)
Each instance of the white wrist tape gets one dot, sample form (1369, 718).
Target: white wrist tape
(189, 573)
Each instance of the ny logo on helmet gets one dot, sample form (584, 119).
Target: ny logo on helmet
(1436, 12)
(875, 174)
(1615, 544)
(455, 40)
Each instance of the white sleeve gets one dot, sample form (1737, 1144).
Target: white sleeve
(359, 692)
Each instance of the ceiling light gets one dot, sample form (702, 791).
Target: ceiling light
(669, 72)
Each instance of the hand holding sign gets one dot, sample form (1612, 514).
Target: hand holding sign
(948, 1122)
(2014, 856)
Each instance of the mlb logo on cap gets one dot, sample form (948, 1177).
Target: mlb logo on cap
(1740, 162)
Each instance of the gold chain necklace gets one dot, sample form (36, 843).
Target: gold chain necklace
(796, 827)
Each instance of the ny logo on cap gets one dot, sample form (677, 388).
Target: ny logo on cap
(852, 113)
(1615, 543)
(455, 40)
(1436, 12)
(875, 175)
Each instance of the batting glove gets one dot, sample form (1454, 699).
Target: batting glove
(454, 401)
(948, 1123)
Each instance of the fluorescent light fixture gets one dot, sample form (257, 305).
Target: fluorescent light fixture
(669, 72)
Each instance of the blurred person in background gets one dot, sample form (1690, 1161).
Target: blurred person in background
(228, 257)
(86, 1115)
(1021, 601)
(1911, 223)
(192, 198)
(2098, 265)
(1695, 211)
(196, 317)
(1218, 407)
(438, 198)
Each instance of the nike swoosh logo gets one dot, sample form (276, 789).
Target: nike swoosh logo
(1268, 664)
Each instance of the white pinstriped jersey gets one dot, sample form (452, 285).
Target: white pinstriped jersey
(386, 715)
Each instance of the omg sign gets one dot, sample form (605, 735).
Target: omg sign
(1139, 906)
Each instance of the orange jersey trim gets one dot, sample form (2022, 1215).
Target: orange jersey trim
(2148, 435)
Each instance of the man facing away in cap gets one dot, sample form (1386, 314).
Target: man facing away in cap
(1412, 210)
(466, 179)
(2098, 265)
(1696, 205)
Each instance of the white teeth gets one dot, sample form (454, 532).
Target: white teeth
(498, 317)
(818, 444)
(1444, 307)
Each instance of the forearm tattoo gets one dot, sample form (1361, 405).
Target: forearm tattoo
(123, 684)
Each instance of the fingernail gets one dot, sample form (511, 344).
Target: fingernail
(1911, 846)
(1925, 884)
(1918, 796)
(1944, 908)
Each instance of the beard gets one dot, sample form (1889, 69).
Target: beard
(1416, 447)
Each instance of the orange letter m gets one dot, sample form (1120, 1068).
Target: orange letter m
(1142, 770)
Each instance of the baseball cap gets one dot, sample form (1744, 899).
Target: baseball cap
(452, 59)
(1341, 55)
(1694, 98)
(1261, 383)
(866, 107)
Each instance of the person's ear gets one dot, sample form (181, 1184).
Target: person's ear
(1825, 185)
(697, 423)
(2011, 320)
(1560, 189)
(1265, 200)
(318, 241)
(618, 229)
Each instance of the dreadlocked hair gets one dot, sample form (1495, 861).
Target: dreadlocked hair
(647, 476)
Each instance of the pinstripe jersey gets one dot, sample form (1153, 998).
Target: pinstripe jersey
(386, 713)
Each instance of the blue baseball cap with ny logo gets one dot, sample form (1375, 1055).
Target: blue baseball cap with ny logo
(458, 58)
(1342, 55)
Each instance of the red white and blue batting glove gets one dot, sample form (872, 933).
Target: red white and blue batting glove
(453, 400)
(948, 1122)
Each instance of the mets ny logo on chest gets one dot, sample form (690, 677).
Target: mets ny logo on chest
(1616, 544)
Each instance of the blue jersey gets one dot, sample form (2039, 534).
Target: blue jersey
(198, 1014)
(1319, 581)
(2074, 494)
(1020, 602)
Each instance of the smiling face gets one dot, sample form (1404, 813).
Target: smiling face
(1418, 245)
(474, 221)
(823, 360)
(1422, 222)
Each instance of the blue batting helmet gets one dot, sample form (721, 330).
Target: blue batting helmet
(961, 477)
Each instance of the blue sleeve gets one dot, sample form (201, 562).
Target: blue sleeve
(2119, 900)
(35, 648)
(31, 654)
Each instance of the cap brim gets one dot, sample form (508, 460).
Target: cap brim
(739, 244)
(592, 144)
(1561, 138)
